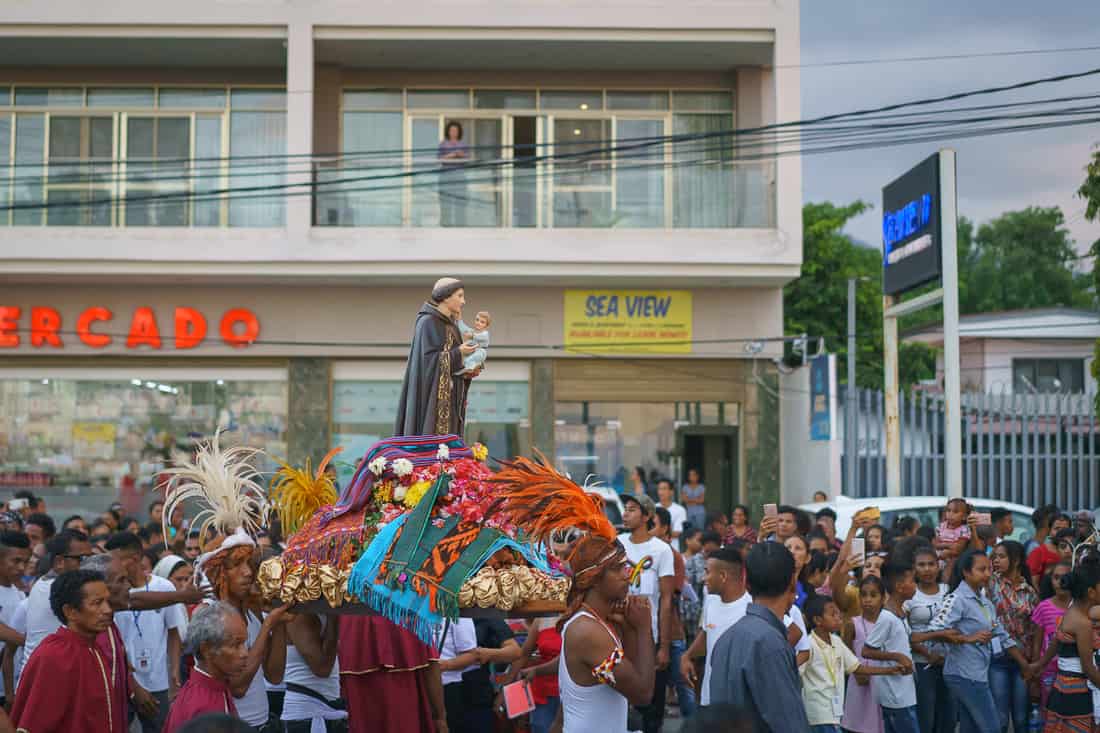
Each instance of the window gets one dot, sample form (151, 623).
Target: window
(137, 156)
(542, 157)
(98, 435)
(1048, 375)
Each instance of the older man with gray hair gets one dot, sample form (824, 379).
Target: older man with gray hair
(216, 636)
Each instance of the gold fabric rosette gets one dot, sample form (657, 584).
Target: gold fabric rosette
(485, 587)
(270, 577)
(334, 584)
(525, 582)
(508, 597)
(310, 590)
(292, 581)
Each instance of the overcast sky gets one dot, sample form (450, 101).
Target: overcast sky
(995, 174)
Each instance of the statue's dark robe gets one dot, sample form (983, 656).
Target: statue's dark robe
(433, 398)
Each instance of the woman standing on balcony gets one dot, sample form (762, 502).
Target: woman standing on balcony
(453, 154)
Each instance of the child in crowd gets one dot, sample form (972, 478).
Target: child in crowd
(830, 660)
(861, 712)
(953, 534)
(889, 642)
(874, 535)
(935, 705)
(1046, 617)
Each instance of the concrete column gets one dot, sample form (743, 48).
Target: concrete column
(299, 129)
(542, 406)
(309, 420)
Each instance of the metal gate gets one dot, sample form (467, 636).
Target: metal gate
(1029, 449)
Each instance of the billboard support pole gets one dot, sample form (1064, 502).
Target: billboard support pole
(952, 380)
(851, 449)
(890, 398)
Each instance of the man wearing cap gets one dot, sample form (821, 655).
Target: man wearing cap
(433, 399)
(655, 580)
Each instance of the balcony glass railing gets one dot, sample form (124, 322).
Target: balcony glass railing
(642, 191)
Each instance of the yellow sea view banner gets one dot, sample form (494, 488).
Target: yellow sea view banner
(628, 321)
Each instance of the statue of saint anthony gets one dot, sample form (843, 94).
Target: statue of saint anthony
(433, 397)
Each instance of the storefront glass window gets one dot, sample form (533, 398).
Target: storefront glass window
(605, 440)
(363, 413)
(83, 444)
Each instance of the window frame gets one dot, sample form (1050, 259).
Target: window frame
(217, 171)
(546, 183)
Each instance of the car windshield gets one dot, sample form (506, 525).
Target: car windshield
(612, 513)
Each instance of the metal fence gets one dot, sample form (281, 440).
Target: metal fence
(1028, 449)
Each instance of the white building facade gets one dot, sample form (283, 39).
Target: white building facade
(226, 213)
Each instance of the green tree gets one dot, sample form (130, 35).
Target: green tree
(817, 302)
(1090, 192)
(1023, 259)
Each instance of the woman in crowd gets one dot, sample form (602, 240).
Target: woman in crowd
(935, 706)
(1015, 599)
(695, 568)
(636, 483)
(862, 713)
(874, 536)
(740, 528)
(1046, 617)
(801, 551)
(976, 635)
(1070, 706)
(540, 671)
(693, 495)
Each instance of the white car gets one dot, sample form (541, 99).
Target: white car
(612, 504)
(924, 508)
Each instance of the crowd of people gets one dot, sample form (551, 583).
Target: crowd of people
(776, 624)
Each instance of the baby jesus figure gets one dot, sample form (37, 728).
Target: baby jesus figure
(477, 336)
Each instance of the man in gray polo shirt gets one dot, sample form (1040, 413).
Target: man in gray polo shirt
(754, 666)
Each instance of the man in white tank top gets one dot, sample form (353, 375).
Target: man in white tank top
(312, 676)
(608, 653)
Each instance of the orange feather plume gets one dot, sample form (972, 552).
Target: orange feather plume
(541, 501)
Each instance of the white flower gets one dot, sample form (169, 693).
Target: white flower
(402, 467)
(377, 466)
(444, 452)
(399, 491)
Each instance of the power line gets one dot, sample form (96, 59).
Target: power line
(623, 148)
(311, 187)
(941, 57)
(927, 101)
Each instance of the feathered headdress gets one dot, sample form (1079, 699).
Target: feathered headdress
(225, 485)
(296, 493)
(545, 503)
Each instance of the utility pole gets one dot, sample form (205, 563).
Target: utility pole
(851, 447)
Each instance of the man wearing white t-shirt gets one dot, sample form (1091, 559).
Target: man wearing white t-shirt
(66, 550)
(723, 606)
(15, 549)
(676, 512)
(656, 581)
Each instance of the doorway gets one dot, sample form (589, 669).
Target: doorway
(713, 450)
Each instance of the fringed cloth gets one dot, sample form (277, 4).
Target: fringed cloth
(420, 450)
(1069, 708)
(337, 543)
(413, 570)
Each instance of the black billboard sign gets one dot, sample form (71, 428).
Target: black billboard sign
(911, 228)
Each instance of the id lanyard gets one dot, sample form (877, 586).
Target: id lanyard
(838, 694)
(137, 616)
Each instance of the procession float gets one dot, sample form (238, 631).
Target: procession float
(425, 531)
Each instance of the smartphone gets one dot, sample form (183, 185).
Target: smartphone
(858, 548)
(16, 504)
(983, 518)
(771, 510)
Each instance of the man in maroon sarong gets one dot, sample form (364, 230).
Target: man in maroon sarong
(391, 679)
(217, 635)
(66, 685)
(111, 645)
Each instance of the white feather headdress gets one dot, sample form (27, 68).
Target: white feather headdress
(224, 483)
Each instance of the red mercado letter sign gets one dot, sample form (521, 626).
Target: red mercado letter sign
(44, 327)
